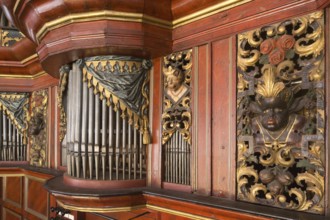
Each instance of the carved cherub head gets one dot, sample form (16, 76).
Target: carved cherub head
(174, 78)
(274, 102)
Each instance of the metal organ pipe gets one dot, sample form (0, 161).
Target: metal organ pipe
(111, 145)
(177, 160)
(104, 137)
(84, 130)
(90, 131)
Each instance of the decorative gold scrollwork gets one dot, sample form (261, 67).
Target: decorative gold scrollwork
(64, 71)
(176, 105)
(9, 37)
(38, 128)
(281, 116)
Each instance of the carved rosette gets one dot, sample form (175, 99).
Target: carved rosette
(176, 101)
(281, 163)
(38, 128)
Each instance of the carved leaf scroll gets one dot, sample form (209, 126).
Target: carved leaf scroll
(281, 116)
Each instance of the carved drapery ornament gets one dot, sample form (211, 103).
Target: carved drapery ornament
(38, 128)
(123, 82)
(9, 36)
(176, 104)
(16, 107)
(280, 115)
(107, 104)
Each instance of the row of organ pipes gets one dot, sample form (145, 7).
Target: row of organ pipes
(177, 160)
(101, 144)
(12, 147)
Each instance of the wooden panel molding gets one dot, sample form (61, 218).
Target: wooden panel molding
(13, 190)
(36, 205)
(241, 18)
(201, 120)
(7, 214)
(223, 117)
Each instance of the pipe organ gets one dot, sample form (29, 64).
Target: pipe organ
(106, 125)
(11, 140)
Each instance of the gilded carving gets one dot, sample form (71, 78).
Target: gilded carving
(280, 114)
(9, 37)
(64, 71)
(38, 128)
(176, 117)
(176, 104)
(137, 115)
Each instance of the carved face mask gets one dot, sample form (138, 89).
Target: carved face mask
(174, 81)
(275, 113)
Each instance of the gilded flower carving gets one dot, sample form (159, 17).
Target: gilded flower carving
(276, 56)
(267, 46)
(285, 42)
(276, 48)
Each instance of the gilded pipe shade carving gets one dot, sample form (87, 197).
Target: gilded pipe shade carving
(280, 114)
(176, 117)
(38, 128)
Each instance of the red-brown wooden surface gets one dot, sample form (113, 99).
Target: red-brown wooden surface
(223, 117)
(202, 116)
(36, 204)
(14, 190)
(156, 108)
(25, 195)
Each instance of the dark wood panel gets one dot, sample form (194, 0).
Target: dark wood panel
(223, 118)
(142, 214)
(202, 116)
(36, 205)
(13, 190)
(195, 211)
(10, 215)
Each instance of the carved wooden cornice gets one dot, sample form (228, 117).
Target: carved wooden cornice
(68, 30)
